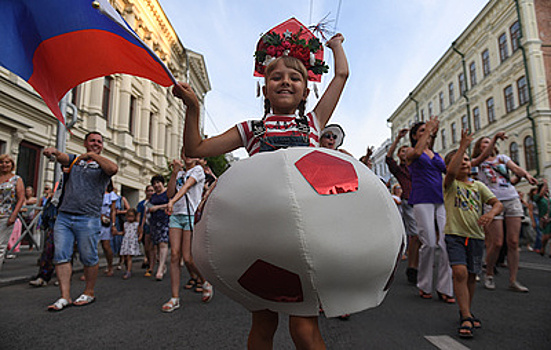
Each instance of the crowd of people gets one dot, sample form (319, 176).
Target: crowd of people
(452, 214)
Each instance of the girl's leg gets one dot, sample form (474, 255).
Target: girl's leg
(149, 251)
(424, 216)
(545, 239)
(175, 235)
(494, 241)
(461, 289)
(188, 259)
(263, 328)
(444, 282)
(305, 332)
(163, 252)
(106, 245)
(129, 263)
(513, 256)
(471, 284)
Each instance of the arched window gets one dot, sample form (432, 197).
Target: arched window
(513, 152)
(530, 153)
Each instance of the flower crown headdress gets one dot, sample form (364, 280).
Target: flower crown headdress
(291, 38)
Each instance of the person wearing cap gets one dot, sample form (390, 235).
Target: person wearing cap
(332, 137)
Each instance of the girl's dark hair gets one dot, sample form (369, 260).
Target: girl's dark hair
(158, 178)
(267, 107)
(110, 186)
(132, 211)
(413, 131)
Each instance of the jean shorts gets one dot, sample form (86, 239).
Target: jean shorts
(465, 251)
(181, 221)
(85, 230)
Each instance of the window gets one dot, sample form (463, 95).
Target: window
(151, 131)
(462, 84)
(430, 109)
(441, 100)
(454, 133)
(28, 163)
(443, 135)
(131, 118)
(472, 70)
(513, 152)
(503, 50)
(422, 115)
(450, 92)
(476, 117)
(107, 87)
(486, 62)
(522, 91)
(529, 153)
(509, 99)
(490, 110)
(515, 36)
(464, 123)
(74, 95)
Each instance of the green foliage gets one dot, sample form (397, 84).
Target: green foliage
(218, 164)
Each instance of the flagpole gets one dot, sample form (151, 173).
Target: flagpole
(61, 137)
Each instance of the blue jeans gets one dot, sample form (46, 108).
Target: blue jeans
(85, 230)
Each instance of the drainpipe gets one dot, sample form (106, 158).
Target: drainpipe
(466, 86)
(416, 106)
(530, 100)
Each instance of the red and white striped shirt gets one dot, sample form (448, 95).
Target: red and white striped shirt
(278, 125)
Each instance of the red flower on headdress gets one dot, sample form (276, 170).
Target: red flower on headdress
(294, 39)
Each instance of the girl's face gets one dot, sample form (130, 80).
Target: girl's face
(328, 140)
(484, 144)
(285, 88)
(149, 191)
(5, 166)
(465, 168)
(130, 217)
(420, 132)
(158, 186)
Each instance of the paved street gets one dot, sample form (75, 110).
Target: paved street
(127, 315)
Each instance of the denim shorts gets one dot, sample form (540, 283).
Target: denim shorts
(181, 221)
(465, 251)
(85, 230)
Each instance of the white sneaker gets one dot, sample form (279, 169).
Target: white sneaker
(39, 282)
(517, 287)
(489, 282)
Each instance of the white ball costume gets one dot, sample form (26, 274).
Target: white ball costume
(296, 229)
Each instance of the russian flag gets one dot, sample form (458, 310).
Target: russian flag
(56, 45)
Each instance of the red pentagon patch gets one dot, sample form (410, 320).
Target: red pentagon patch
(328, 174)
(271, 282)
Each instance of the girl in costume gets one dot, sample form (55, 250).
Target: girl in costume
(285, 93)
(130, 245)
(493, 173)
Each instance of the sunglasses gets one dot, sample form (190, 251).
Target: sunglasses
(329, 136)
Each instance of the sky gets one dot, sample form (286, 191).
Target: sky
(390, 45)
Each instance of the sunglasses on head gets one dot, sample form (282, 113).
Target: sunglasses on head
(329, 136)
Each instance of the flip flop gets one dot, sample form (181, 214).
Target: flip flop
(208, 292)
(59, 305)
(84, 300)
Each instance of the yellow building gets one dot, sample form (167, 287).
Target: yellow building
(494, 77)
(142, 122)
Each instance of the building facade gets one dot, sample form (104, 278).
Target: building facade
(141, 121)
(495, 77)
(378, 159)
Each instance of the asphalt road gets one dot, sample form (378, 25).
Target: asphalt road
(127, 315)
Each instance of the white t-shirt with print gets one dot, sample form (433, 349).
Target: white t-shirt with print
(194, 193)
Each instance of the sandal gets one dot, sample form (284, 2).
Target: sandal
(465, 331)
(446, 298)
(59, 305)
(84, 300)
(192, 282)
(147, 273)
(424, 295)
(208, 292)
(171, 305)
(476, 322)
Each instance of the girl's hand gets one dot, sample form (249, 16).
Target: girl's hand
(337, 39)
(532, 180)
(402, 133)
(184, 92)
(485, 219)
(11, 220)
(500, 136)
(177, 165)
(432, 125)
(466, 138)
(169, 207)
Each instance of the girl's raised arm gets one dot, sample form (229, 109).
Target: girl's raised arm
(327, 103)
(194, 144)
